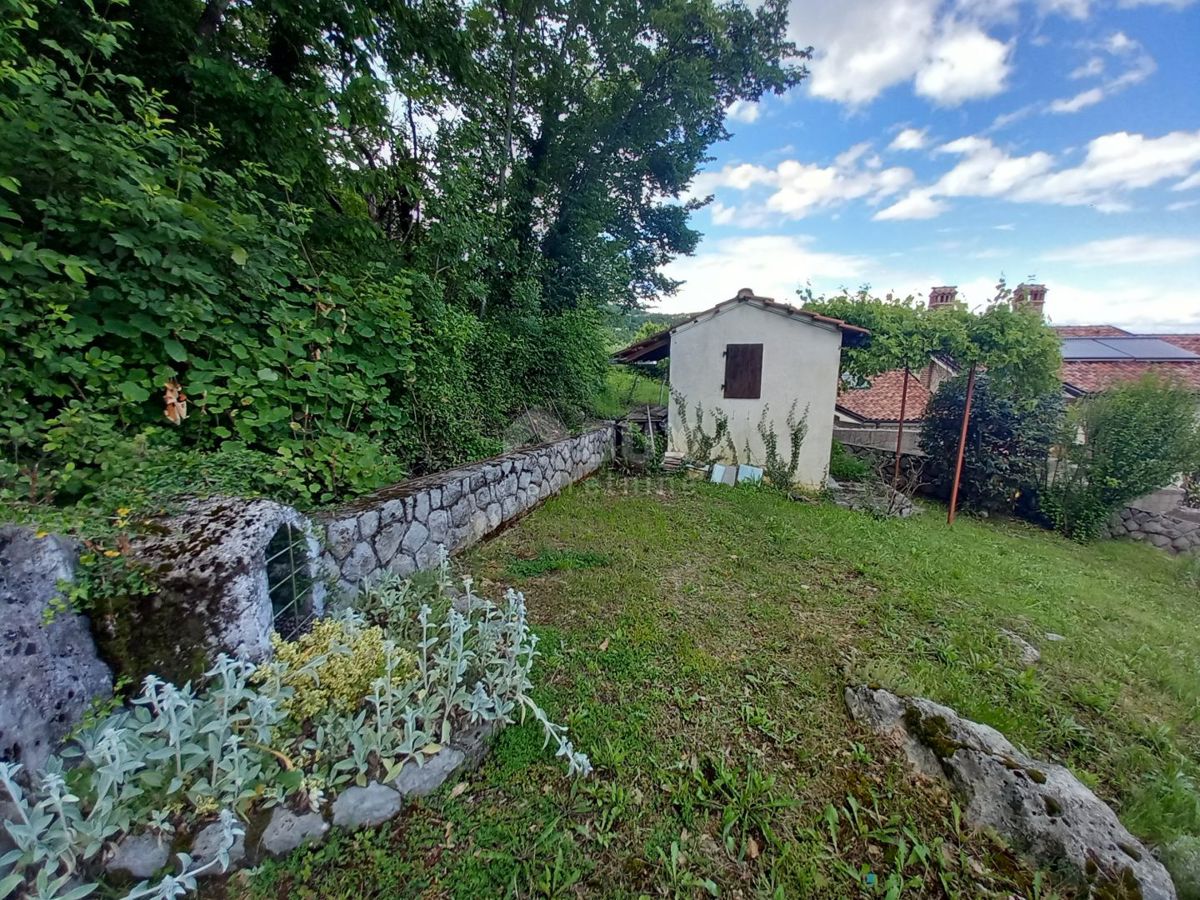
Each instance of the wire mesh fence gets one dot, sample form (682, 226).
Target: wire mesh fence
(289, 582)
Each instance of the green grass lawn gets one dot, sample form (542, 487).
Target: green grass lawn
(625, 389)
(697, 638)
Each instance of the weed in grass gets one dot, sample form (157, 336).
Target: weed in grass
(555, 561)
(678, 878)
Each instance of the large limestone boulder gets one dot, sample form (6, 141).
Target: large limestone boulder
(1038, 807)
(228, 572)
(49, 673)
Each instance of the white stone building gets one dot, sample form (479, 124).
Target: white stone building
(751, 354)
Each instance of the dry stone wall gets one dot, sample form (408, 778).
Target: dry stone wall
(400, 528)
(1176, 531)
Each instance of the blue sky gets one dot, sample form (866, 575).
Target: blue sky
(947, 143)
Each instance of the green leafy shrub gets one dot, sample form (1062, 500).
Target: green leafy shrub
(1117, 446)
(1008, 442)
(153, 304)
(333, 666)
(379, 688)
(845, 466)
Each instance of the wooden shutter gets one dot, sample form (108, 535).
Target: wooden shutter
(743, 371)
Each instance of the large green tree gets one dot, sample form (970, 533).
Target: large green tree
(348, 230)
(1018, 350)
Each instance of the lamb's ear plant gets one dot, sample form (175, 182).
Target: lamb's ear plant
(251, 736)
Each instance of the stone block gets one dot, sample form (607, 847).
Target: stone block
(451, 493)
(438, 524)
(422, 780)
(392, 511)
(473, 743)
(420, 507)
(402, 564)
(1036, 806)
(365, 807)
(286, 831)
(368, 524)
(360, 563)
(341, 536)
(494, 516)
(208, 842)
(388, 541)
(415, 538)
(462, 511)
(138, 856)
(49, 673)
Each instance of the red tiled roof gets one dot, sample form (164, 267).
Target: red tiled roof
(1068, 331)
(1186, 341)
(880, 402)
(657, 346)
(1089, 377)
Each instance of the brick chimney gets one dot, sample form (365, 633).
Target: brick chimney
(1030, 296)
(940, 297)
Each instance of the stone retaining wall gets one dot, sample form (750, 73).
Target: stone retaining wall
(1176, 531)
(400, 528)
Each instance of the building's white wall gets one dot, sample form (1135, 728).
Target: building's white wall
(800, 362)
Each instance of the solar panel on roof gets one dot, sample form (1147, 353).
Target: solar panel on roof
(1147, 348)
(1089, 348)
(1123, 348)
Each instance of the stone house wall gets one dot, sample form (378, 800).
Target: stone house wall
(399, 528)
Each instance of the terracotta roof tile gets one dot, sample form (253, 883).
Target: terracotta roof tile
(1089, 377)
(880, 402)
(657, 346)
(1068, 331)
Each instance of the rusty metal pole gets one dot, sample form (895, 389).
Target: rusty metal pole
(962, 445)
(900, 430)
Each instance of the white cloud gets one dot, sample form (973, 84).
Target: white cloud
(1093, 68)
(917, 205)
(1181, 205)
(1174, 4)
(1135, 63)
(722, 214)
(797, 189)
(1192, 181)
(864, 47)
(1075, 9)
(1116, 163)
(743, 111)
(1113, 165)
(774, 265)
(908, 139)
(1128, 250)
(966, 64)
(1083, 99)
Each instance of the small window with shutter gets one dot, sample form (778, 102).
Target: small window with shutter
(743, 371)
